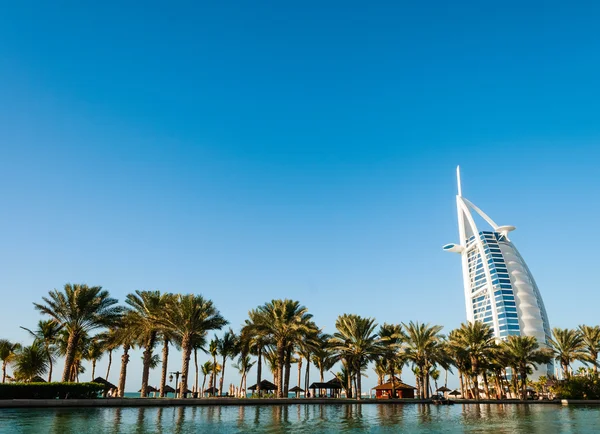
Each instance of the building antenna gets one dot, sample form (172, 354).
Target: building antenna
(458, 180)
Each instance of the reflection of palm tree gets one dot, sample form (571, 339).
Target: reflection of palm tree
(356, 341)
(78, 309)
(47, 333)
(591, 342)
(189, 317)
(567, 346)
(31, 362)
(525, 353)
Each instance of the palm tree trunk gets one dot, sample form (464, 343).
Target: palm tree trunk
(165, 360)
(392, 378)
(50, 368)
(485, 385)
(197, 373)
(307, 374)
(222, 376)
(93, 369)
(109, 363)
(70, 357)
(523, 384)
(203, 384)
(123, 375)
(4, 371)
(108, 371)
(146, 369)
(213, 376)
(358, 385)
(288, 368)
(299, 371)
(461, 382)
(280, 366)
(186, 349)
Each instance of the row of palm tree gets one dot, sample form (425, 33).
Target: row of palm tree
(279, 333)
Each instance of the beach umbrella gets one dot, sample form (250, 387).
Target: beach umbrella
(443, 389)
(454, 393)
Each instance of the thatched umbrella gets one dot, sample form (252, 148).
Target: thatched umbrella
(169, 389)
(454, 393)
(297, 391)
(211, 391)
(443, 389)
(265, 385)
(149, 389)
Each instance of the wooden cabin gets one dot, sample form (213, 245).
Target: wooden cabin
(384, 391)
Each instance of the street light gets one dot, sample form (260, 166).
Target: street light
(177, 374)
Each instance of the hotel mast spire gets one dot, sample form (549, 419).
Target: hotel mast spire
(458, 180)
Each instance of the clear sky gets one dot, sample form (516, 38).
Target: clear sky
(257, 150)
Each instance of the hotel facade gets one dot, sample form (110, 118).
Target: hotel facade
(499, 288)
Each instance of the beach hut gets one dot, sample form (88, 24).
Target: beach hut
(332, 388)
(107, 385)
(403, 390)
(297, 391)
(265, 386)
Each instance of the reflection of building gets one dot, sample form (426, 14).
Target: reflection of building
(384, 391)
(499, 288)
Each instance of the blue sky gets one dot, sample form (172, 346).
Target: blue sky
(257, 150)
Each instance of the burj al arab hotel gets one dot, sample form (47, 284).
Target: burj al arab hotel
(499, 288)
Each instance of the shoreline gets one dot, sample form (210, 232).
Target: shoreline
(199, 402)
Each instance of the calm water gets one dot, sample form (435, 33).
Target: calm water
(350, 418)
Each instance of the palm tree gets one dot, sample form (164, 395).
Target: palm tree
(283, 322)
(243, 365)
(213, 350)
(422, 343)
(79, 309)
(227, 347)
(391, 346)
(8, 352)
(525, 353)
(94, 352)
(591, 342)
(31, 362)
(189, 317)
(257, 340)
(206, 369)
(356, 341)
(62, 344)
(147, 307)
(567, 346)
(477, 339)
(47, 333)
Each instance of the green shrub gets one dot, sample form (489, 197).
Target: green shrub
(578, 387)
(50, 390)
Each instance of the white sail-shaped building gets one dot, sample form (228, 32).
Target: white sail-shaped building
(499, 288)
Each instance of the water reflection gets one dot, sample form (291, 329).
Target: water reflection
(347, 418)
(390, 415)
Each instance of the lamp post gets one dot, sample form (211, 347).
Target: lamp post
(177, 374)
